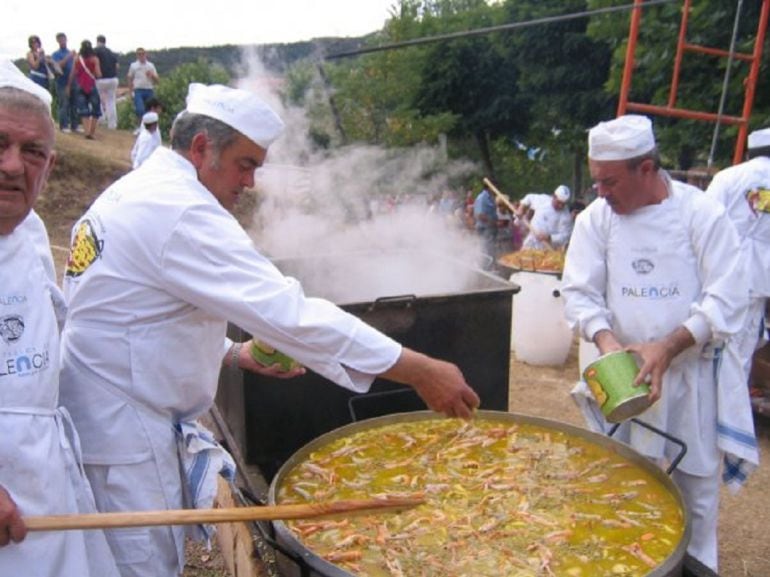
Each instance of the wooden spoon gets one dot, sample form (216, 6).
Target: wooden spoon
(229, 515)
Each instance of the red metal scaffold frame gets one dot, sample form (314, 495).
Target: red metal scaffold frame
(682, 46)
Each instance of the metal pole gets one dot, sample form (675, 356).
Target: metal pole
(679, 53)
(751, 82)
(500, 28)
(628, 68)
(725, 84)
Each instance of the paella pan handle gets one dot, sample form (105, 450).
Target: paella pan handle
(681, 444)
(268, 536)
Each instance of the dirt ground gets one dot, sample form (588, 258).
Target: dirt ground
(86, 167)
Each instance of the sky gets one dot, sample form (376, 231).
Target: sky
(156, 24)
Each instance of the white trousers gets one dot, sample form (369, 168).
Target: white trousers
(108, 89)
(138, 551)
(701, 496)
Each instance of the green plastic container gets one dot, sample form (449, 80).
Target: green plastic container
(611, 379)
(268, 356)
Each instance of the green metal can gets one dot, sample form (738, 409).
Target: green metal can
(268, 356)
(611, 380)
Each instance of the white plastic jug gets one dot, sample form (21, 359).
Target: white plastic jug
(539, 334)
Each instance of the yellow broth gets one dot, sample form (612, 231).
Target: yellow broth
(513, 500)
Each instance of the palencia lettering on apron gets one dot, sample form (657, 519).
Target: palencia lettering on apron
(651, 292)
(11, 300)
(25, 364)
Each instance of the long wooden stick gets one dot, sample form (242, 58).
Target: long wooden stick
(506, 202)
(500, 195)
(198, 516)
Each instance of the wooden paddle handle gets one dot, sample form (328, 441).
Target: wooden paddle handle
(198, 516)
(506, 202)
(500, 195)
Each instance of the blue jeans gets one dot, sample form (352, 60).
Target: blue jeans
(89, 104)
(68, 113)
(141, 95)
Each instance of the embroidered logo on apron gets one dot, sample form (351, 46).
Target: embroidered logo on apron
(11, 328)
(86, 248)
(642, 266)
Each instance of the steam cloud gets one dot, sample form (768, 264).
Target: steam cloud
(317, 203)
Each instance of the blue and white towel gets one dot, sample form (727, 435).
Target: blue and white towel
(735, 421)
(203, 461)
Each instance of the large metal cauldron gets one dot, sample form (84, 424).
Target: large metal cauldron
(671, 567)
(427, 301)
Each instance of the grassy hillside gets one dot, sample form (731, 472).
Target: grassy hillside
(83, 169)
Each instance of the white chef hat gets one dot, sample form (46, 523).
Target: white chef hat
(11, 76)
(759, 138)
(624, 137)
(150, 118)
(562, 193)
(237, 108)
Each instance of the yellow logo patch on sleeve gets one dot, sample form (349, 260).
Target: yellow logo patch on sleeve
(85, 249)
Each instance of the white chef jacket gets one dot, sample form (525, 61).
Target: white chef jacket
(38, 462)
(163, 268)
(644, 274)
(732, 187)
(35, 227)
(535, 200)
(548, 220)
(146, 143)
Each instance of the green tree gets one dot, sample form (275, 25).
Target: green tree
(683, 142)
(561, 75)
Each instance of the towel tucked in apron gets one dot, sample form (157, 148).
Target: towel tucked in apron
(203, 460)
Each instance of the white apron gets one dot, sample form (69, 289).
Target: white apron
(37, 461)
(652, 283)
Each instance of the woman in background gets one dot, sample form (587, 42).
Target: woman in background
(85, 72)
(39, 72)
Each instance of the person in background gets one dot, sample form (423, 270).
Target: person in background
(85, 72)
(147, 141)
(158, 265)
(107, 84)
(551, 225)
(38, 62)
(153, 105)
(744, 191)
(485, 224)
(66, 92)
(654, 268)
(142, 78)
(39, 473)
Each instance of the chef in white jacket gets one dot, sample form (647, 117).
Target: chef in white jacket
(653, 267)
(39, 472)
(158, 265)
(551, 224)
(744, 191)
(148, 139)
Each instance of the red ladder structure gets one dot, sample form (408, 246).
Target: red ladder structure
(683, 46)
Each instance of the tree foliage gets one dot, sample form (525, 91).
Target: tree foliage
(710, 24)
(519, 101)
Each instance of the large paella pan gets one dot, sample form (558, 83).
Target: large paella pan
(506, 495)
